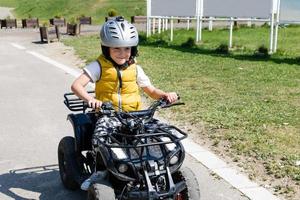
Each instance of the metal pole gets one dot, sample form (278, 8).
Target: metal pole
(198, 19)
(271, 32)
(230, 32)
(276, 26)
(201, 16)
(148, 25)
(171, 37)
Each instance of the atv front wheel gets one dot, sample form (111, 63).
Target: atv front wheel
(101, 192)
(69, 169)
(192, 191)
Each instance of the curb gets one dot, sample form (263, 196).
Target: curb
(239, 181)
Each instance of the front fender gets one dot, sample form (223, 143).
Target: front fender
(83, 127)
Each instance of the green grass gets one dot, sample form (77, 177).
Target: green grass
(98, 9)
(248, 103)
(8, 3)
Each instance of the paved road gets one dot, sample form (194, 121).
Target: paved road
(33, 120)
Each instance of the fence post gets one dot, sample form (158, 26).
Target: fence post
(230, 32)
(148, 18)
(159, 25)
(249, 22)
(210, 24)
(153, 25)
(276, 26)
(271, 33)
(171, 37)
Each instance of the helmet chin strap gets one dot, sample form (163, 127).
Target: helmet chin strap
(124, 65)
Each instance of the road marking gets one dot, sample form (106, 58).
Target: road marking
(241, 182)
(17, 46)
(63, 67)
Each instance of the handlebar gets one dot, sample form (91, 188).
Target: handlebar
(136, 119)
(76, 104)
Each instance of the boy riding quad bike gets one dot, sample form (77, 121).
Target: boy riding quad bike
(140, 158)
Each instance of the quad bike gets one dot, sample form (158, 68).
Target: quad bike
(142, 156)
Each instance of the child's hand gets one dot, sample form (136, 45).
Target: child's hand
(171, 97)
(94, 103)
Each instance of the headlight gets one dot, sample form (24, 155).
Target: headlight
(122, 168)
(174, 160)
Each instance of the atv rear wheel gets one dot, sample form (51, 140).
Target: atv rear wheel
(101, 192)
(192, 191)
(69, 169)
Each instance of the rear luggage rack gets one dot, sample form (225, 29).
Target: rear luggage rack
(74, 103)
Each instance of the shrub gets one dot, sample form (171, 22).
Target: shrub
(154, 40)
(262, 49)
(138, 11)
(73, 21)
(112, 12)
(266, 25)
(281, 52)
(222, 49)
(142, 38)
(58, 16)
(45, 24)
(190, 43)
(262, 52)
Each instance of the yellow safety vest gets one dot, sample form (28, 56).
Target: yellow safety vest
(108, 88)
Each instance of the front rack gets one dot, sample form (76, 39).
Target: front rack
(74, 103)
(173, 133)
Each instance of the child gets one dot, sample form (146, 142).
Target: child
(116, 75)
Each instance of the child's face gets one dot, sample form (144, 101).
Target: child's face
(120, 54)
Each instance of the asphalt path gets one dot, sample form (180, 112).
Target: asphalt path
(33, 120)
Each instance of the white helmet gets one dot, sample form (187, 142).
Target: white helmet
(118, 32)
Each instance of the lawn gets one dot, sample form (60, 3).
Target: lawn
(249, 104)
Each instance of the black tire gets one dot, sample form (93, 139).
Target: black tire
(101, 192)
(69, 169)
(192, 192)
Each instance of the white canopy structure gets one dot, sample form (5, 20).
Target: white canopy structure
(229, 10)
(290, 11)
